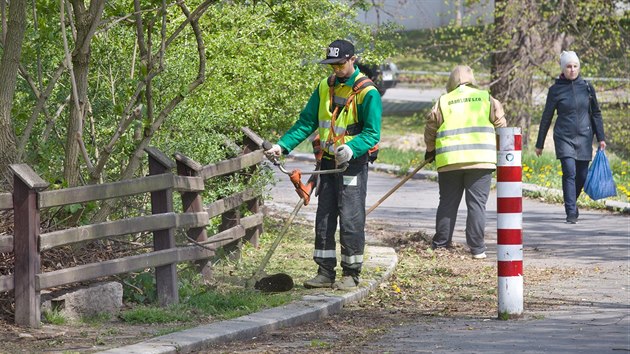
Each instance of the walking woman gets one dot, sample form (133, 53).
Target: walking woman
(579, 118)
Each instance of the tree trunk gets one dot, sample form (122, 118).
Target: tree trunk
(86, 23)
(512, 80)
(8, 75)
(527, 41)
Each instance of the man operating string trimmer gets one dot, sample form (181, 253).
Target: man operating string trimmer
(345, 109)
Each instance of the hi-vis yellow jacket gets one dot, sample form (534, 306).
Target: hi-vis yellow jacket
(339, 124)
(466, 135)
(364, 115)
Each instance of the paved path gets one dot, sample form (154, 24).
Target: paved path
(596, 314)
(594, 317)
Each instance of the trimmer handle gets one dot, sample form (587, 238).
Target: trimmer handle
(343, 166)
(266, 145)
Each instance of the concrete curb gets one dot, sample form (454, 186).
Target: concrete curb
(310, 308)
(612, 205)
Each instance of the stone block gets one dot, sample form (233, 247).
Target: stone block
(87, 301)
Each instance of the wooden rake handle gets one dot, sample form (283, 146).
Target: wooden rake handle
(402, 181)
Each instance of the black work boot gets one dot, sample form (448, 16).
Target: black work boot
(319, 281)
(347, 282)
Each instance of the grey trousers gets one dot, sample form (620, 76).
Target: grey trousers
(476, 184)
(341, 198)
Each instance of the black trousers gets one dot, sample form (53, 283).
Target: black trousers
(341, 200)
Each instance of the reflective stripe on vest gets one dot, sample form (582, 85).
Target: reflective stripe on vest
(344, 119)
(466, 135)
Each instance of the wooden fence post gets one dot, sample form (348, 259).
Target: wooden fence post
(162, 202)
(255, 204)
(193, 203)
(26, 184)
(229, 219)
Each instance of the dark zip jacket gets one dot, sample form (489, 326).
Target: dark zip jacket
(575, 127)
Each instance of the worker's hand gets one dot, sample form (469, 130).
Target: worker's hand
(343, 154)
(538, 152)
(274, 152)
(429, 156)
(602, 145)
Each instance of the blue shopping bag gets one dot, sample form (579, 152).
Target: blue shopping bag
(599, 181)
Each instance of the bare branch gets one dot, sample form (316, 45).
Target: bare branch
(163, 36)
(39, 54)
(41, 101)
(73, 28)
(75, 94)
(133, 59)
(140, 29)
(194, 16)
(51, 122)
(115, 21)
(139, 151)
(127, 119)
(29, 79)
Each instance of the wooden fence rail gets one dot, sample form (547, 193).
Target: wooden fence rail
(30, 197)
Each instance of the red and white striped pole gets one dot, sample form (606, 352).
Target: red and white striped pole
(509, 222)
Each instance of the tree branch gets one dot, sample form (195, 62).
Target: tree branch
(75, 94)
(51, 122)
(41, 101)
(138, 153)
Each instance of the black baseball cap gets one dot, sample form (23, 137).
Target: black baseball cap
(338, 51)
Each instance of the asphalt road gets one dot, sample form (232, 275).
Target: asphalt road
(596, 314)
(405, 100)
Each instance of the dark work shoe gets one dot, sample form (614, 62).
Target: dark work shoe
(346, 282)
(571, 219)
(319, 281)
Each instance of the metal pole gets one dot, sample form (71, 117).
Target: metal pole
(509, 222)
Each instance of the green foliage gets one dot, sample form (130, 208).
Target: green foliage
(97, 319)
(198, 300)
(405, 159)
(520, 49)
(234, 303)
(139, 288)
(54, 317)
(449, 45)
(544, 171)
(260, 70)
(404, 124)
(617, 128)
(320, 344)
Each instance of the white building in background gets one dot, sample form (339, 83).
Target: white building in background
(421, 14)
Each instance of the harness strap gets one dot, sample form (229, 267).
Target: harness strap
(359, 85)
(362, 83)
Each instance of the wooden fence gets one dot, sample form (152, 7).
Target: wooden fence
(30, 197)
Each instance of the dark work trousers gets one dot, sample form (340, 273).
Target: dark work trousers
(476, 184)
(574, 174)
(341, 196)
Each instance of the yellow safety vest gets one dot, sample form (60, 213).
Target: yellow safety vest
(466, 135)
(346, 124)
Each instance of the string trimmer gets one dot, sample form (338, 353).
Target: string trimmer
(281, 281)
